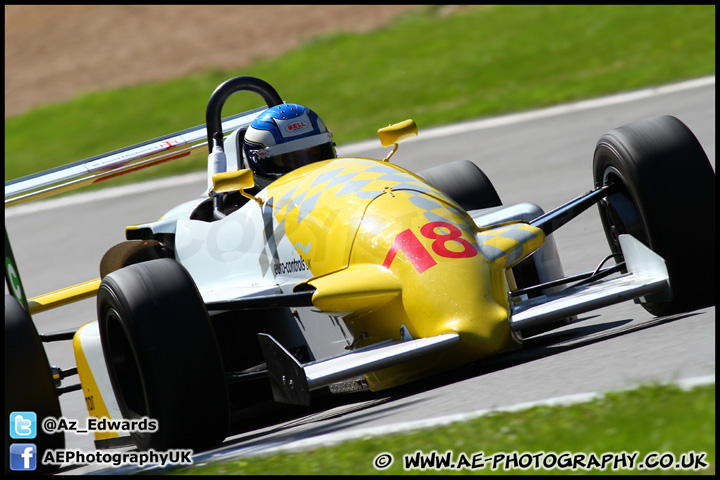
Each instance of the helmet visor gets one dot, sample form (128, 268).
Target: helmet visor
(287, 162)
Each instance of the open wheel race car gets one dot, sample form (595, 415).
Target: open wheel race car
(342, 275)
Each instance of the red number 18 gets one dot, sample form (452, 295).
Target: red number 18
(410, 245)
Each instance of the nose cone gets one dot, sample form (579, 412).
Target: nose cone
(447, 284)
(464, 295)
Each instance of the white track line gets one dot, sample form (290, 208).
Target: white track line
(352, 149)
(514, 118)
(338, 437)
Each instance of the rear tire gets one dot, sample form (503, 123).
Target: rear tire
(666, 199)
(29, 386)
(465, 183)
(162, 355)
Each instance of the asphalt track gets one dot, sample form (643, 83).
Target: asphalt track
(542, 157)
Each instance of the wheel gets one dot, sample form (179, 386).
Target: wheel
(465, 183)
(29, 386)
(162, 355)
(131, 252)
(665, 199)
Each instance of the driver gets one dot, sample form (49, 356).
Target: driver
(283, 138)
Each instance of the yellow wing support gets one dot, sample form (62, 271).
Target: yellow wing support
(64, 296)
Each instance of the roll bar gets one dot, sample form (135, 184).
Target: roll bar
(213, 118)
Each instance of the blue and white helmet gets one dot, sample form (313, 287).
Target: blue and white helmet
(283, 138)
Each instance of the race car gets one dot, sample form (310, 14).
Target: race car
(343, 275)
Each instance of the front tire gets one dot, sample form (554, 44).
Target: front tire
(666, 199)
(162, 355)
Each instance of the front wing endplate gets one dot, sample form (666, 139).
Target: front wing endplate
(292, 382)
(647, 275)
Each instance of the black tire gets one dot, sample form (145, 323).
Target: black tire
(162, 355)
(465, 183)
(29, 386)
(666, 190)
(131, 252)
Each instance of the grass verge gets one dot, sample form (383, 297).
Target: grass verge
(660, 423)
(427, 66)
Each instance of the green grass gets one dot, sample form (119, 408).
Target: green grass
(662, 419)
(435, 69)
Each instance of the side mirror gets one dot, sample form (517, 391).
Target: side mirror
(396, 133)
(238, 180)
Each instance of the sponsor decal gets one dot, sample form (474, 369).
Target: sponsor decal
(293, 266)
(294, 127)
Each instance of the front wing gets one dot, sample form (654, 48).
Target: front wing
(292, 381)
(647, 275)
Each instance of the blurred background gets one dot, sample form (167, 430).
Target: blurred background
(83, 80)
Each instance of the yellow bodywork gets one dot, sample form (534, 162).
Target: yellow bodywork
(98, 393)
(239, 180)
(398, 132)
(358, 288)
(395, 257)
(391, 253)
(63, 296)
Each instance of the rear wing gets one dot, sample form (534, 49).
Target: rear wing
(152, 152)
(118, 162)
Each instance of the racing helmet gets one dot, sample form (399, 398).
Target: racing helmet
(283, 138)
